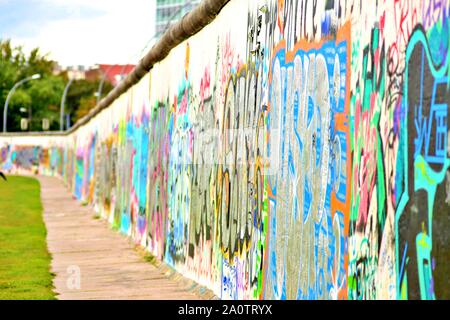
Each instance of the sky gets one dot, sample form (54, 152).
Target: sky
(80, 32)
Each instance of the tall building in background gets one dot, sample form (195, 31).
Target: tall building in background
(169, 11)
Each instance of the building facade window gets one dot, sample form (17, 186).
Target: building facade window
(170, 11)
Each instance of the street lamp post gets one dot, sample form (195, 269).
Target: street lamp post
(63, 100)
(98, 94)
(11, 92)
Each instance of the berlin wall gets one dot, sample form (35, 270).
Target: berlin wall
(288, 150)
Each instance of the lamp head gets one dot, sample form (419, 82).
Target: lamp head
(35, 76)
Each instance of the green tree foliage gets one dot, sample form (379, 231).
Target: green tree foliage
(40, 98)
(46, 99)
(86, 104)
(81, 97)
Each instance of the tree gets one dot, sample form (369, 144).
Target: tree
(46, 98)
(35, 96)
(86, 104)
(39, 99)
(81, 97)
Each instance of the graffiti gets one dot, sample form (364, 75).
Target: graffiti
(179, 188)
(300, 152)
(308, 194)
(435, 12)
(158, 175)
(202, 211)
(422, 212)
(368, 213)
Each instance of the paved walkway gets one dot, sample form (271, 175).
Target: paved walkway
(109, 265)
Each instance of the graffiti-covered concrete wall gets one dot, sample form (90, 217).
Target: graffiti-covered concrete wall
(289, 150)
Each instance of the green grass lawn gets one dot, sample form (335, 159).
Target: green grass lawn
(24, 259)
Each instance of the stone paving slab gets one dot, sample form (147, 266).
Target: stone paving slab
(110, 267)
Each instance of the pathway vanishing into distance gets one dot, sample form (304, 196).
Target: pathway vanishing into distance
(110, 267)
